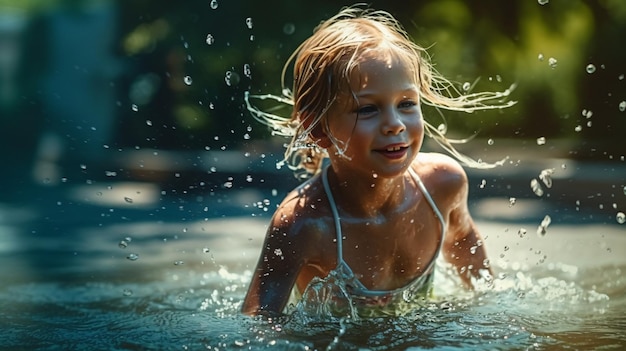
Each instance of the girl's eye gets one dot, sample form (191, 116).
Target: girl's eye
(366, 110)
(407, 104)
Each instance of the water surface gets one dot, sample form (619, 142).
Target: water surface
(156, 279)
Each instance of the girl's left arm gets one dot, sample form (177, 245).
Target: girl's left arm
(463, 246)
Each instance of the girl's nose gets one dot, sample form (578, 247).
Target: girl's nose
(392, 123)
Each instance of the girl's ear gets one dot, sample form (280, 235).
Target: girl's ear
(317, 133)
(321, 137)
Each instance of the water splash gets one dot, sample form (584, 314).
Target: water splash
(620, 217)
(543, 227)
(210, 40)
(552, 62)
(535, 186)
(546, 177)
(132, 257)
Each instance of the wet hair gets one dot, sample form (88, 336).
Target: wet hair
(322, 66)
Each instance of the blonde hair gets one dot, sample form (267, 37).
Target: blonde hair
(322, 65)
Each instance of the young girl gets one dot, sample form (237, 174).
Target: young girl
(370, 224)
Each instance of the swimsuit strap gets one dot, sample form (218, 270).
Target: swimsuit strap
(430, 200)
(333, 208)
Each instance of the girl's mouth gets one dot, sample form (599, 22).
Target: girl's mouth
(393, 152)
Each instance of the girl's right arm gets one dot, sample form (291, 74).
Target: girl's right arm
(276, 272)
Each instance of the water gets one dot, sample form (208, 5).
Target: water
(184, 288)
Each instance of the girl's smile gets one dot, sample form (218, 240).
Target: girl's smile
(394, 152)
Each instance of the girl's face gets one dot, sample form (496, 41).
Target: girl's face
(382, 122)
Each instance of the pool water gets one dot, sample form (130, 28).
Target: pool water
(155, 278)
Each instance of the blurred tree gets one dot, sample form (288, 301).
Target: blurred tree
(242, 45)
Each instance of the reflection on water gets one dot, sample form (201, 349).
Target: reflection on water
(185, 289)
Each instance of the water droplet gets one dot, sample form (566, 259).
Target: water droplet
(522, 232)
(622, 106)
(149, 123)
(134, 107)
(213, 4)
(127, 292)
(541, 141)
(249, 22)
(546, 221)
(133, 257)
(620, 77)
(407, 295)
(123, 244)
(536, 187)
(486, 263)
(289, 28)
(540, 57)
(442, 128)
(231, 78)
(279, 252)
(128, 200)
(620, 217)
(188, 80)
(512, 201)
(466, 86)
(552, 62)
(473, 249)
(546, 177)
(590, 68)
(206, 250)
(179, 263)
(490, 142)
(578, 128)
(482, 184)
(543, 2)
(246, 70)
(210, 40)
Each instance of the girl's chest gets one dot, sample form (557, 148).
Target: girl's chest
(388, 252)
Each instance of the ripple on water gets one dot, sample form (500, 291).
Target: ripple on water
(527, 307)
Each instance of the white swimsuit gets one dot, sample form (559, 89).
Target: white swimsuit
(420, 286)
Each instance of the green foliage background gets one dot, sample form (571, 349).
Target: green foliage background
(488, 42)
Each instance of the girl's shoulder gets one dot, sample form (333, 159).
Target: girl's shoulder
(304, 212)
(443, 177)
(435, 164)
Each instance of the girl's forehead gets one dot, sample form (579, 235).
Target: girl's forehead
(382, 60)
(383, 66)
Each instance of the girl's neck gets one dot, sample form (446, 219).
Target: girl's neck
(366, 196)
